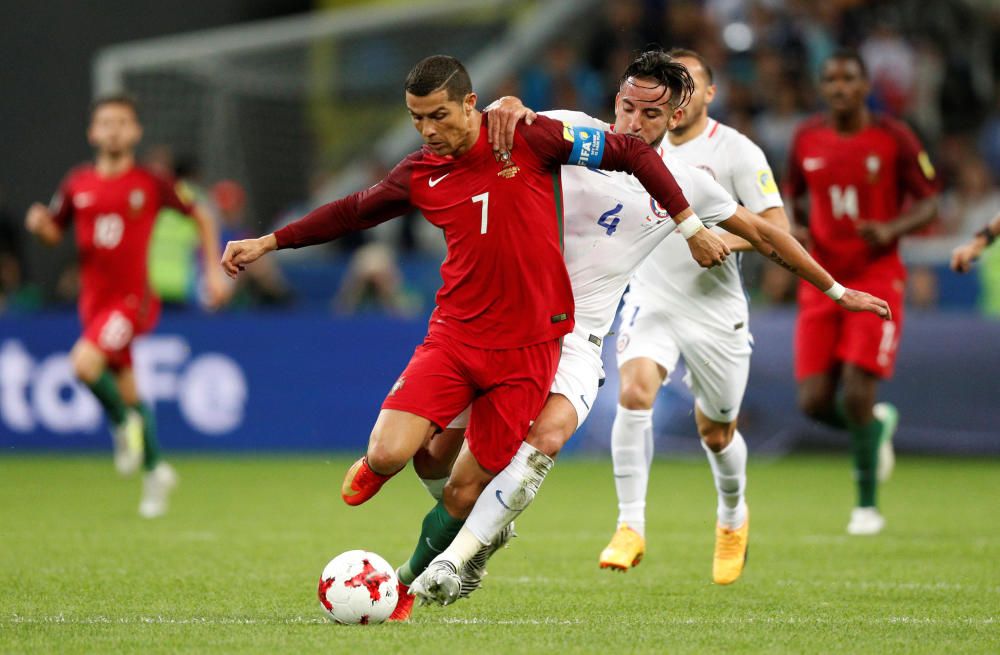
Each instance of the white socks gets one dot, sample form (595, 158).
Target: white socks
(632, 454)
(503, 499)
(435, 487)
(729, 468)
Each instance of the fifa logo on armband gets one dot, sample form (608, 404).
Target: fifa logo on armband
(508, 168)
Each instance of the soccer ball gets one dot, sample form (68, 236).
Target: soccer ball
(358, 587)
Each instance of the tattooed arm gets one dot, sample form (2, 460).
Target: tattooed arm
(783, 249)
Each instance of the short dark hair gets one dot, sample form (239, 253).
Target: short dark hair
(439, 72)
(691, 54)
(119, 98)
(658, 65)
(848, 54)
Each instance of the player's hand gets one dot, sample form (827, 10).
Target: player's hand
(38, 218)
(708, 248)
(859, 301)
(240, 253)
(505, 114)
(878, 235)
(964, 256)
(217, 290)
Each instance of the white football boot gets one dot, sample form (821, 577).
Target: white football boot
(156, 487)
(439, 584)
(127, 439)
(865, 521)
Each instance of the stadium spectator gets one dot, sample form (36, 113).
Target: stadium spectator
(11, 258)
(562, 80)
(263, 282)
(375, 282)
(173, 265)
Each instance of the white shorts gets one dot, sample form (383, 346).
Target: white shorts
(578, 377)
(717, 359)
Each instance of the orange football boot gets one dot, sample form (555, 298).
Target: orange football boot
(361, 483)
(404, 604)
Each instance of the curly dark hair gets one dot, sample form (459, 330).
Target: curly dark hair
(657, 65)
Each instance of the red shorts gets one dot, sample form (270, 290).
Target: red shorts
(507, 389)
(826, 335)
(113, 326)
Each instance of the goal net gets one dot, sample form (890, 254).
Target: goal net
(273, 104)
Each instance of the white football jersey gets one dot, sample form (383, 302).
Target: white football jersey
(611, 224)
(673, 280)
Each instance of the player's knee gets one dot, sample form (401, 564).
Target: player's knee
(386, 457)
(459, 499)
(549, 439)
(717, 435)
(427, 467)
(84, 367)
(814, 406)
(636, 395)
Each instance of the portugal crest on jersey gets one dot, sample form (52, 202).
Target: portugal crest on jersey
(508, 168)
(136, 199)
(873, 164)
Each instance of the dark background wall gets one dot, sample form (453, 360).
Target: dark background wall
(46, 49)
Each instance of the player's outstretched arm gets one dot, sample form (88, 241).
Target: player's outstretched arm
(215, 284)
(40, 222)
(246, 251)
(782, 248)
(964, 256)
(632, 155)
(774, 215)
(563, 144)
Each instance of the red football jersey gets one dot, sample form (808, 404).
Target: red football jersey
(113, 218)
(865, 176)
(505, 282)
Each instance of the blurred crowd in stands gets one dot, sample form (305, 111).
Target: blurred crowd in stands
(933, 64)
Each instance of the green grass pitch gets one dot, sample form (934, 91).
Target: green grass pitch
(234, 566)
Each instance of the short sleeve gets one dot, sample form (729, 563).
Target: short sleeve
(174, 195)
(795, 180)
(753, 179)
(916, 173)
(709, 199)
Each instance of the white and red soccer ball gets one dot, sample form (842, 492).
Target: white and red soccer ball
(358, 587)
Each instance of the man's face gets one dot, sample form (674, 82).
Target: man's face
(642, 109)
(844, 86)
(114, 129)
(697, 107)
(444, 124)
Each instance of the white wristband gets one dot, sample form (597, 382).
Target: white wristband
(690, 226)
(837, 291)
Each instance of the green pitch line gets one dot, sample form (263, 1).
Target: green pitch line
(234, 566)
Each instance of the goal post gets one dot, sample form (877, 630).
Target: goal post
(272, 103)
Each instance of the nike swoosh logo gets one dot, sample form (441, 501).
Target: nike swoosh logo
(500, 500)
(431, 182)
(430, 545)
